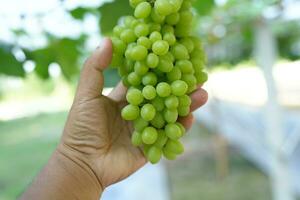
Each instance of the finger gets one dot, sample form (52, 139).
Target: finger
(118, 93)
(199, 98)
(187, 121)
(91, 79)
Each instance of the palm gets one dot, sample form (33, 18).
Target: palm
(98, 130)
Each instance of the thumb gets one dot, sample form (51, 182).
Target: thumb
(91, 79)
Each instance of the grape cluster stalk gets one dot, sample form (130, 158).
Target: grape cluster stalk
(161, 62)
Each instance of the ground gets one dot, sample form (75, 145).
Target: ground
(26, 144)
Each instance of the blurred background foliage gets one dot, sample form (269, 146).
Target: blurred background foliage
(226, 29)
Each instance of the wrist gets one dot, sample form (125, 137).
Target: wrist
(82, 181)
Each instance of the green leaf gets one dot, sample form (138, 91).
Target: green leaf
(9, 65)
(204, 7)
(79, 13)
(111, 12)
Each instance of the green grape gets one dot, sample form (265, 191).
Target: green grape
(149, 135)
(134, 79)
(180, 52)
(201, 77)
(154, 154)
(185, 66)
(173, 131)
(149, 79)
(190, 80)
(139, 52)
(128, 20)
(186, 5)
(183, 111)
(134, 96)
(173, 19)
(148, 112)
(170, 38)
(183, 30)
(184, 100)
(158, 103)
(140, 68)
(152, 60)
(139, 124)
(142, 10)
(174, 75)
(134, 23)
(179, 88)
(117, 60)
(182, 128)
(149, 92)
(118, 30)
(122, 71)
(118, 45)
(186, 17)
(171, 116)
(160, 47)
(125, 81)
(197, 42)
(146, 148)
(163, 7)
(176, 4)
(169, 155)
(128, 36)
(161, 139)
(155, 36)
(141, 30)
(154, 27)
(191, 89)
(171, 102)
(130, 112)
(165, 65)
(167, 29)
(188, 43)
(136, 139)
(169, 56)
(129, 65)
(174, 146)
(163, 89)
(158, 121)
(144, 41)
(157, 17)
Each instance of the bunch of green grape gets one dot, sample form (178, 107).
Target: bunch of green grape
(161, 63)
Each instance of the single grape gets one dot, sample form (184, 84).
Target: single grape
(149, 135)
(201, 77)
(149, 79)
(158, 121)
(190, 80)
(136, 139)
(118, 30)
(174, 146)
(179, 87)
(160, 47)
(185, 66)
(128, 36)
(158, 103)
(170, 38)
(173, 18)
(161, 139)
(171, 115)
(139, 52)
(149, 92)
(184, 100)
(152, 60)
(141, 30)
(163, 89)
(134, 79)
(155, 36)
(142, 10)
(118, 45)
(165, 65)
(134, 96)
(128, 20)
(157, 17)
(167, 29)
(144, 41)
(174, 75)
(186, 5)
(171, 102)
(140, 68)
(130, 112)
(139, 124)
(125, 81)
(154, 154)
(154, 27)
(188, 43)
(173, 131)
(163, 7)
(148, 112)
(180, 52)
(169, 155)
(182, 128)
(183, 111)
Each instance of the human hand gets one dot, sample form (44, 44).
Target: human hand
(95, 136)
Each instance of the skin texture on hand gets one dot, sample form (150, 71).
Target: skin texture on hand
(96, 138)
